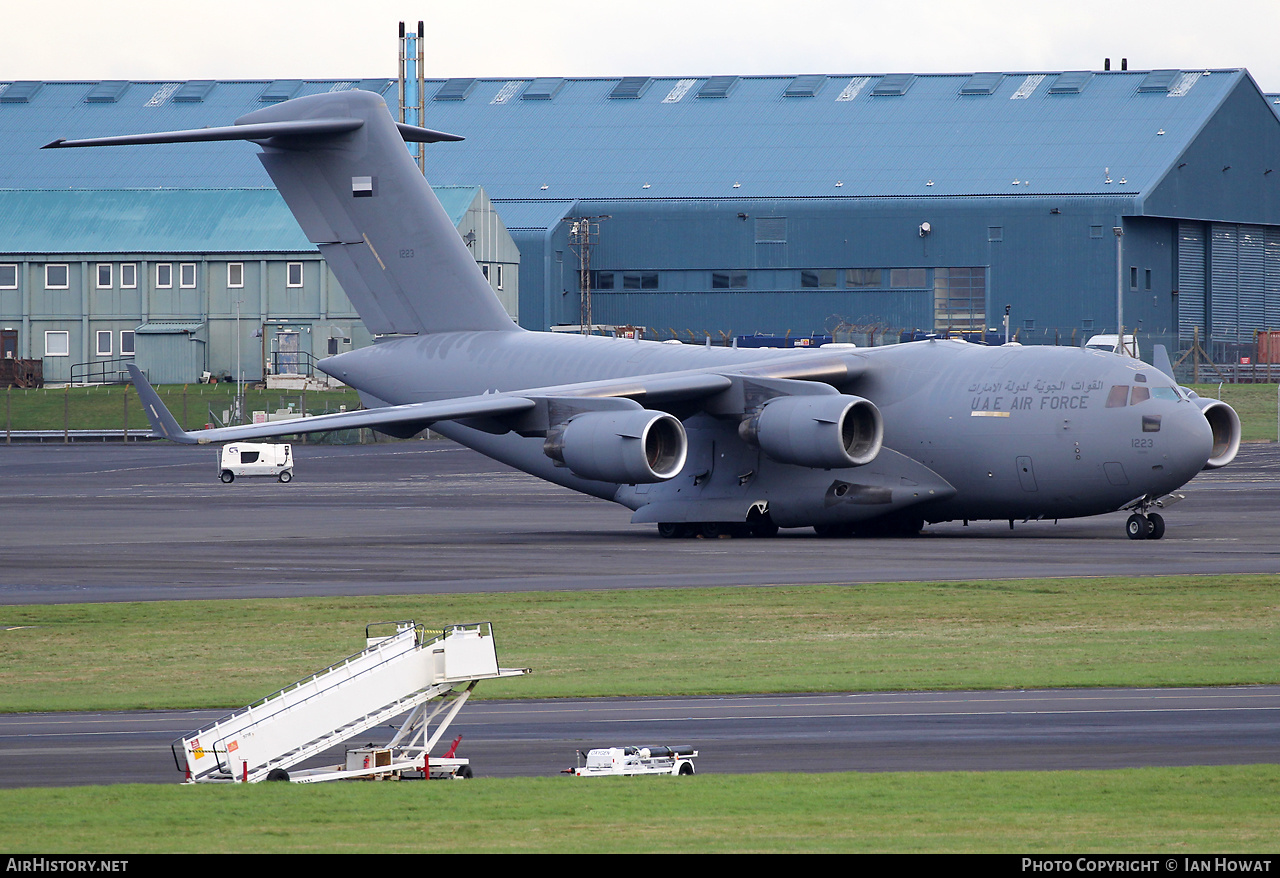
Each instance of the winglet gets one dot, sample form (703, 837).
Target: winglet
(1160, 359)
(162, 421)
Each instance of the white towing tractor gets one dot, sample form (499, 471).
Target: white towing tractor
(609, 761)
(255, 459)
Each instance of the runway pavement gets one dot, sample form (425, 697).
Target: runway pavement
(912, 731)
(151, 522)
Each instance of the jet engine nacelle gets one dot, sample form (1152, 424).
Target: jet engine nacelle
(625, 447)
(1225, 424)
(827, 432)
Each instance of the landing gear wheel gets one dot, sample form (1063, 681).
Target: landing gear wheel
(1138, 527)
(762, 529)
(227, 476)
(669, 530)
(1156, 520)
(714, 530)
(286, 476)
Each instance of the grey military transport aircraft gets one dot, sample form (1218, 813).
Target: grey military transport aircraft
(700, 440)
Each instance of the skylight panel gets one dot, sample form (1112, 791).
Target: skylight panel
(21, 92)
(107, 92)
(893, 85)
(1070, 83)
(377, 86)
(455, 90)
(630, 88)
(805, 86)
(194, 92)
(982, 84)
(1160, 81)
(543, 89)
(718, 87)
(280, 90)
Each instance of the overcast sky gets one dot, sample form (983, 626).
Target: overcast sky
(283, 39)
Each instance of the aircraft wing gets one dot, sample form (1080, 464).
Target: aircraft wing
(807, 370)
(163, 423)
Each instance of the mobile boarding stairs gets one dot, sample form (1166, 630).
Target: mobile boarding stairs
(430, 678)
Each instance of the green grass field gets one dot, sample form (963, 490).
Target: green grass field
(1155, 811)
(103, 408)
(1163, 631)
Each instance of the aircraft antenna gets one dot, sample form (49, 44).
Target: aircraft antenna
(584, 233)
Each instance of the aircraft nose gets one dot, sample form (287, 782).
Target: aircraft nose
(1188, 441)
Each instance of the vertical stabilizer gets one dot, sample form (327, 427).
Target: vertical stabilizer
(360, 197)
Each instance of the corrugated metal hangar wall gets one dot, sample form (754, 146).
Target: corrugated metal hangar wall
(734, 205)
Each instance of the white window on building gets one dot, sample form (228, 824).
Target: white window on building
(57, 276)
(126, 342)
(129, 276)
(8, 276)
(164, 276)
(235, 275)
(497, 276)
(57, 343)
(104, 275)
(187, 275)
(104, 342)
(293, 274)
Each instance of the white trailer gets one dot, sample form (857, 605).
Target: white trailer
(255, 459)
(429, 677)
(613, 761)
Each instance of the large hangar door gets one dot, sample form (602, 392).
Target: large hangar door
(1244, 281)
(1191, 289)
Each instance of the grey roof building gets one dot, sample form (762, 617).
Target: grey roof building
(168, 255)
(735, 204)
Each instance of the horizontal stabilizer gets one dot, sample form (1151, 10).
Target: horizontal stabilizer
(259, 132)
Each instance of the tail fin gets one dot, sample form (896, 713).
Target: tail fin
(339, 162)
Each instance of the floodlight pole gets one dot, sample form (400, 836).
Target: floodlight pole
(239, 369)
(1119, 233)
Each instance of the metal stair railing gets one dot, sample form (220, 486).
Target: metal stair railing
(355, 666)
(390, 677)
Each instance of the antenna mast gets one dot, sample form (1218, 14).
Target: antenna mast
(584, 233)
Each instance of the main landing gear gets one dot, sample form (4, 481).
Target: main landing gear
(712, 530)
(1149, 526)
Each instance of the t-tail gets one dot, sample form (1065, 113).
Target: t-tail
(340, 163)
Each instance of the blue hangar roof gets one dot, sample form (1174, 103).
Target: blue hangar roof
(534, 141)
(165, 220)
(899, 135)
(35, 113)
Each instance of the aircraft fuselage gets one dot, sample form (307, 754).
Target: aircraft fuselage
(970, 431)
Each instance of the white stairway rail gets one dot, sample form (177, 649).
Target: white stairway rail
(386, 679)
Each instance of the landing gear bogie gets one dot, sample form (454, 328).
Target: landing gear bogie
(1144, 527)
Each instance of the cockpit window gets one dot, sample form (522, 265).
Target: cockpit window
(1166, 393)
(1118, 397)
(1140, 394)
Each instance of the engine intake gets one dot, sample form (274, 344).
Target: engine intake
(1225, 424)
(827, 432)
(624, 447)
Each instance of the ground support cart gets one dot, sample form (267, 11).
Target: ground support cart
(609, 761)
